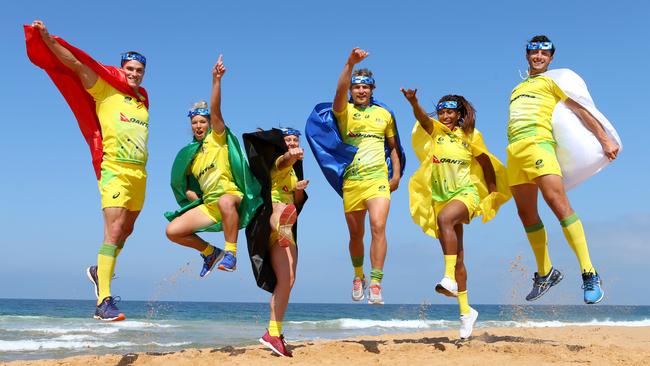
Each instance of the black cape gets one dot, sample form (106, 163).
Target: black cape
(262, 149)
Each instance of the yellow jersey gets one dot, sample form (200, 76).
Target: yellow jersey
(211, 168)
(125, 124)
(452, 158)
(531, 108)
(367, 129)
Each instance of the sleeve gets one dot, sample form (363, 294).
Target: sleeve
(390, 126)
(100, 90)
(342, 119)
(557, 91)
(220, 139)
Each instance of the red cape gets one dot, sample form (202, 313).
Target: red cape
(81, 103)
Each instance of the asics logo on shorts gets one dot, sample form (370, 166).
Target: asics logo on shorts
(539, 163)
(382, 188)
(116, 195)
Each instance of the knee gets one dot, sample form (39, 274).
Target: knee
(444, 222)
(378, 228)
(227, 206)
(173, 232)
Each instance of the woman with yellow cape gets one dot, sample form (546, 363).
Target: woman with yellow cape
(458, 179)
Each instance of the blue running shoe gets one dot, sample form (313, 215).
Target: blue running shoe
(210, 260)
(591, 283)
(229, 262)
(541, 284)
(107, 311)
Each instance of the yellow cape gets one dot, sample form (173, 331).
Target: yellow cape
(420, 196)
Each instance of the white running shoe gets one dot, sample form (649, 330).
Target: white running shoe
(358, 289)
(447, 287)
(467, 323)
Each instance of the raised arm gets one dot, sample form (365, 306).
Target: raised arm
(290, 157)
(216, 119)
(610, 147)
(87, 76)
(341, 98)
(418, 111)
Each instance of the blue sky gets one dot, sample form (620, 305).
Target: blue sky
(282, 59)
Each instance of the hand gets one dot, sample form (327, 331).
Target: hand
(302, 184)
(393, 184)
(296, 153)
(409, 94)
(357, 55)
(40, 26)
(610, 148)
(219, 69)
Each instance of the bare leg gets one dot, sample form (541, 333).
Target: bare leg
(228, 205)
(182, 229)
(378, 209)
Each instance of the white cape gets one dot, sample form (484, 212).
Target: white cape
(578, 151)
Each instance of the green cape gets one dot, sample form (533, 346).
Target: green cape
(244, 179)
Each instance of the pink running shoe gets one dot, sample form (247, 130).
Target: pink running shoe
(276, 344)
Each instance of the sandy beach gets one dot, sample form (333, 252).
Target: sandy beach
(597, 345)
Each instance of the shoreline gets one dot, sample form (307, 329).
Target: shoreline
(488, 346)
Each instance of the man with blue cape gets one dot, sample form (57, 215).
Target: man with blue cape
(356, 144)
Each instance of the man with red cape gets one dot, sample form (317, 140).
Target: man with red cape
(112, 113)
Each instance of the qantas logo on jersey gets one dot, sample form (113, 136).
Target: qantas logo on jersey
(124, 118)
(361, 134)
(435, 160)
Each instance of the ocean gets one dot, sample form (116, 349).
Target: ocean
(36, 329)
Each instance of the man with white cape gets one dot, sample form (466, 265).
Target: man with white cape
(555, 131)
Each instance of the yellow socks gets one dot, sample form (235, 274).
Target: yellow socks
(105, 267)
(450, 266)
(275, 328)
(207, 251)
(538, 241)
(575, 235)
(357, 263)
(231, 247)
(463, 302)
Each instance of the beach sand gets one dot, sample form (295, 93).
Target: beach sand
(596, 345)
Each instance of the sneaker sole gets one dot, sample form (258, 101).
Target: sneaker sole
(371, 302)
(116, 319)
(287, 218)
(360, 298)
(473, 324)
(226, 269)
(547, 289)
(219, 257)
(269, 345)
(442, 290)
(95, 285)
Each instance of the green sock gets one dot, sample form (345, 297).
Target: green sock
(357, 263)
(376, 275)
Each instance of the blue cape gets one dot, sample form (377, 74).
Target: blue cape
(332, 154)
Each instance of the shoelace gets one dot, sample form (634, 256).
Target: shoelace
(589, 282)
(114, 300)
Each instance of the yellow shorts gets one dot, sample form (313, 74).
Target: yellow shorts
(529, 158)
(468, 197)
(357, 192)
(122, 185)
(212, 209)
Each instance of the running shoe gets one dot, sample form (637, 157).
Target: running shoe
(467, 323)
(287, 218)
(210, 260)
(374, 295)
(107, 311)
(541, 284)
(91, 272)
(447, 287)
(276, 344)
(591, 283)
(359, 286)
(228, 263)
